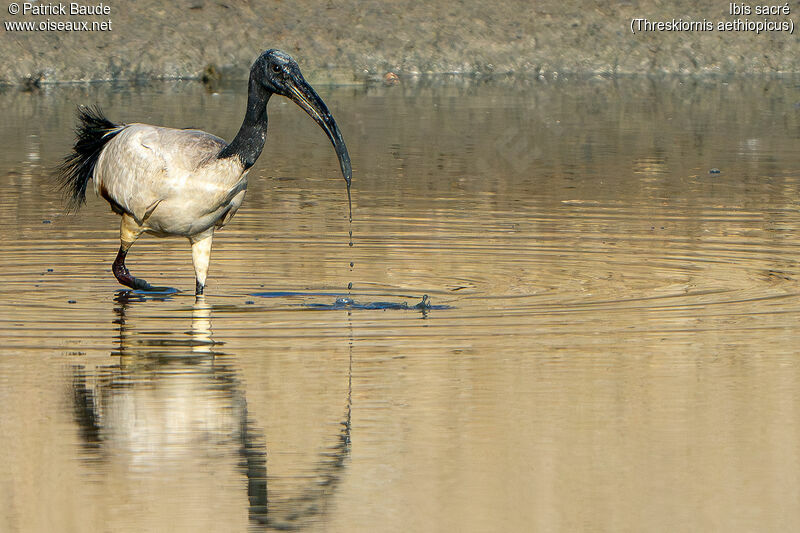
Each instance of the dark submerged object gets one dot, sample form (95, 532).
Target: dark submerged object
(168, 181)
(345, 302)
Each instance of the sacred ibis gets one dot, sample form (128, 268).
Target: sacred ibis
(184, 182)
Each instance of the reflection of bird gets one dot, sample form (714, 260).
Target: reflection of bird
(172, 403)
(167, 181)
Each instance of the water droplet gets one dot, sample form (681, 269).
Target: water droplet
(349, 285)
(351, 264)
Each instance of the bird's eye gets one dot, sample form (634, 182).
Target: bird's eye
(276, 68)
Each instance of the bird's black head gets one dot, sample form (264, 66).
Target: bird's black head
(279, 74)
(275, 71)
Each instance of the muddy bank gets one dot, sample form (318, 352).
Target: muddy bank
(349, 42)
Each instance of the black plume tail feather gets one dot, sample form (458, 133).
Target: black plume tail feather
(93, 132)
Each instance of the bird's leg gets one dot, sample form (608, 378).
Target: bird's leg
(128, 233)
(201, 254)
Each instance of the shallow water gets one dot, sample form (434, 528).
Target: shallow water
(610, 342)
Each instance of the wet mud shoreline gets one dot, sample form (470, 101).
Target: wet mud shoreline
(351, 43)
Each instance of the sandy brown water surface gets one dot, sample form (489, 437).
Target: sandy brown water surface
(616, 348)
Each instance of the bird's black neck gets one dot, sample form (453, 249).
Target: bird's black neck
(249, 142)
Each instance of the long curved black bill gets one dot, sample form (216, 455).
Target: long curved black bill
(303, 95)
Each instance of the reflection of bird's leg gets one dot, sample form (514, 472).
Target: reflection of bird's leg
(201, 327)
(201, 254)
(128, 233)
(121, 312)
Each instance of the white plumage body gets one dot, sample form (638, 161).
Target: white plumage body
(169, 180)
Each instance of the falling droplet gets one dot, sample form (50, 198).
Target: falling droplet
(350, 229)
(349, 205)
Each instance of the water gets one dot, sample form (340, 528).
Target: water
(610, 343)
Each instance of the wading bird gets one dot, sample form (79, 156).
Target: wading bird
(184, 182)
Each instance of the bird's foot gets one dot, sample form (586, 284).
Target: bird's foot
(141, 285)
(124, 276)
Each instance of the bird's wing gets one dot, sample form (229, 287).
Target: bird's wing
(145, 165)
(184, 150)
